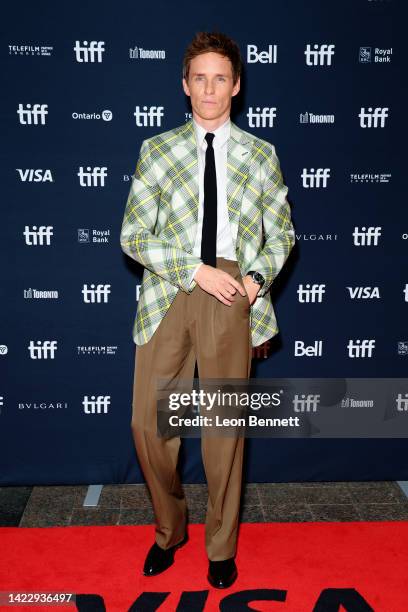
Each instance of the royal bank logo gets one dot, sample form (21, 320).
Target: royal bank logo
(367, 55)
(94, 236)
(140, 53)
(403, 348)
(89, 51)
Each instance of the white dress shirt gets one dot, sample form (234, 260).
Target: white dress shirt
(225, 245)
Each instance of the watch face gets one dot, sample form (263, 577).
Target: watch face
(257, 277)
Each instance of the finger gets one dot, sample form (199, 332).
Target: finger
(228, 290)
(222, 299)
(238, 285)
(227, 293)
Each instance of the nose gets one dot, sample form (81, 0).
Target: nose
(209, 87)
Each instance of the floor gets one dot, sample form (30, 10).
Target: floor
(47, 506)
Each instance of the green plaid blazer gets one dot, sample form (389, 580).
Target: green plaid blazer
(160, 222)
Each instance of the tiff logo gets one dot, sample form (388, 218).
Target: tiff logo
(321, 55)
(42, 350)
(96, 294)
(40, 236)
(402, 402)
(149, 116)
(306, 403)
(32, 115)
(315, 178)
(311, 293)
(367, 236)
(361, 348)
(96, 405)
(92, 177)
(373, 118)
(261, 117)
(89, 52)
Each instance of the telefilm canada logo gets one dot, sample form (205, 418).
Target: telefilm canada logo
(31, 50)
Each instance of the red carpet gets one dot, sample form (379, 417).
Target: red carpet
(296, 567)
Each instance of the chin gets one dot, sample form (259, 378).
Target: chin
(209, 113)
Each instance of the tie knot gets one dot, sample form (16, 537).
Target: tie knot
(209, 138)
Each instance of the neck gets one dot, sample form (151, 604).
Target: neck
(211, 124)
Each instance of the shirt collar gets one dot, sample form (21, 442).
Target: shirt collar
(222, 133)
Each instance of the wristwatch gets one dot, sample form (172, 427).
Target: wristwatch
(256, 277)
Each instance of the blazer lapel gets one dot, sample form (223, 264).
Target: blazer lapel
(238, 162)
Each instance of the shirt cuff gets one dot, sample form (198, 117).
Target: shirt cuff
(194, 272)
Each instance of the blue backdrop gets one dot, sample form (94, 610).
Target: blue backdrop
(323, 82)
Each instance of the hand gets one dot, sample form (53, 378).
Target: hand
(251, 288)
(219, 283)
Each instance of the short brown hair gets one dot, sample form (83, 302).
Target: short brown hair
(217, 42)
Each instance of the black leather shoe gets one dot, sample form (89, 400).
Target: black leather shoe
(221, 574)
(159, 559)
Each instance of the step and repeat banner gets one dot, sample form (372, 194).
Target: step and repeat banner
(83, 85)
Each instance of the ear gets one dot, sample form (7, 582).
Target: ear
(185, 87)
(236, 87)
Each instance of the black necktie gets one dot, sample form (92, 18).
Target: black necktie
(209, 233)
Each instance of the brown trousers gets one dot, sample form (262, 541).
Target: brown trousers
(197, 326)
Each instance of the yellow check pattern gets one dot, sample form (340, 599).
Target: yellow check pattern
(161, 213)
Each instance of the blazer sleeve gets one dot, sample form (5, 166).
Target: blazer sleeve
(278, 229)
(137, 238)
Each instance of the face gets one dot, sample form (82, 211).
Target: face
(210, 88)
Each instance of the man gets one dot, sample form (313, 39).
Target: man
(207, 216)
